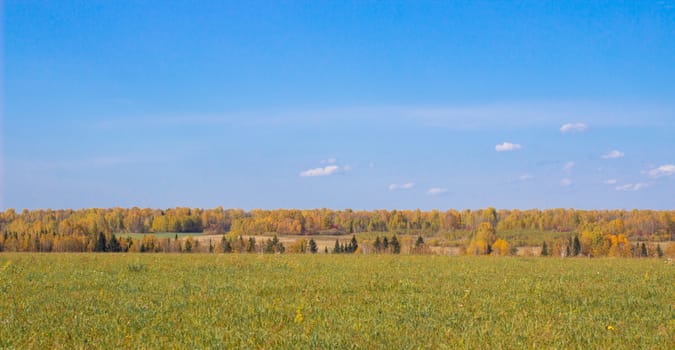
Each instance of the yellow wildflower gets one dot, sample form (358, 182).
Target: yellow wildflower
(299, 316)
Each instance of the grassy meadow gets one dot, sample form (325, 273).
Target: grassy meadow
(333, 301)
(160, 235)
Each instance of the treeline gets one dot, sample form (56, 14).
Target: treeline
(151, 244)
(594, 240)
(600, 233)
(638, 224)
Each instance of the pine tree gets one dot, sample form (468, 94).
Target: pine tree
(544, 249)
(336, 249)
(419, 242)
(377, 245)
(269, 247)
(250, 247)
(385, 244)
(225, 245)
(576, 247)
(100, 243)
(114, 245)
(274, 246)
(353, 245)
(659, 251)
(312, 246)
(395, 245)
(643, 250)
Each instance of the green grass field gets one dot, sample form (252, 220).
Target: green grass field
(333, 301)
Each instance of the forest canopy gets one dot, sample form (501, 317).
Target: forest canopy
(653, 225)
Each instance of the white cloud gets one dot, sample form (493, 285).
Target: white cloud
(329, 161)
(347, 168)
(613, 155)
(507, 147)
(405, 186)
(632, 187)
(610, 182)
(525, 177)
(568, 166)
(436, 191)
(565, 182)
(325, 171)
(663, 170)
(573, 127)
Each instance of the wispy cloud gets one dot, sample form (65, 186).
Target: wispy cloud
(507, 147)
(613, 155)
(516, 114)
(328, 161)
(525, 177)
(573, 128)
(521, 114)
(565, 182)
(610, 182)
(632, 187)
(663, 170)
(437, 191)
(325, 171)
(568, 166)
(405, 186)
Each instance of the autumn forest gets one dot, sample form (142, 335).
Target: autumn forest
(485, 231)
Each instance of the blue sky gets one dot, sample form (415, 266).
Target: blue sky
(340, 104)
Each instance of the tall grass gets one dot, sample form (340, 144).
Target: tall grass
(333, 301)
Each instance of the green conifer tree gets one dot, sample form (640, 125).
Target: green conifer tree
(114, 245)
(225, 245)
(377, 245)
(659, 251)
(353, 245)
(312, 246)
(544, 249)
(251, 246)
(643, 250)
(419, 242)
(576, 246)
(395, 245)
(100, 243)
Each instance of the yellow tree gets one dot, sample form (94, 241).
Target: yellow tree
(483, 240)
(619, 247)
(500, 247)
